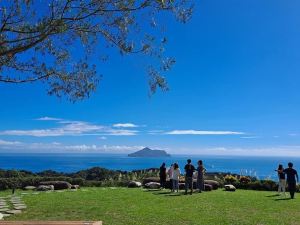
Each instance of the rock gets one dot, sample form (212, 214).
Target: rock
(4, 209)
(14, 211)
(29, 188)
(134, 184)
(58, 185)
(208, 187)
(45, 188)
(152, 185)
(229, 187)
(20, 207)
(215, 184)
(5, 215)
(150, 179)
(75, 186)
(20, 204)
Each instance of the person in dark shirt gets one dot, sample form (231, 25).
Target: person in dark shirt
(291, 175)
(281, 181)
(189, 171)
(163, 175)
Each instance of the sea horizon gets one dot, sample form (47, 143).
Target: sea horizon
(262, 167)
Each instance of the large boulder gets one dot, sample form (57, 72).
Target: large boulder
(152, 185)
(208, 187)
(150, 179)
(75, 186)
(229, 187)
(58, 185)
(134, 184)
(215, 184)
(45, 188)
(29, 188)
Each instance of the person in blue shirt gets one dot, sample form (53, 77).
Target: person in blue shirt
(291, 175)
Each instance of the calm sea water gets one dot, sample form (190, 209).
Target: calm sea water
(262, 167)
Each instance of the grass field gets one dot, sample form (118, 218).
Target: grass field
(141, 207)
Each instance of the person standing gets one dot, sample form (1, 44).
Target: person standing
(163, 175)
(200, 176)
(281, 180)
(175, 178)
(291, 175)
(170, 175)
(189, 171)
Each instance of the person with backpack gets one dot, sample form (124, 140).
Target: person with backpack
(189, 171)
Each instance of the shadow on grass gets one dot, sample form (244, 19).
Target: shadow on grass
(282, 199)
(275, 195)
(162, 193)
(151, 190)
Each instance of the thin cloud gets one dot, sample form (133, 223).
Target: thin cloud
(125, 125)
(46, 118)
(250, 137)
(202, 132)
(71, 128)
(59, 147)
(9, 143)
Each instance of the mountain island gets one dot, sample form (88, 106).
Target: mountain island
(147, 152)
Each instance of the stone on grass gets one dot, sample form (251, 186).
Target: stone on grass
(4, 209)
(208, 187)
(45, 188)
(229, 187)
(150, 179)
(5, 215)
(134, 184)
(58, 185)
(75, 186)
(152, 185)
(29, 188)
(215, 184)
(21, 204)
(20, 207)
(15, 211)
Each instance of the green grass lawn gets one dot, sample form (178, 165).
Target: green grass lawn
(137, 206)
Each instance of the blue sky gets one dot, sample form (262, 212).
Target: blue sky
(233, 91)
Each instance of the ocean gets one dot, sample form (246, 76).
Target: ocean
(261, 167)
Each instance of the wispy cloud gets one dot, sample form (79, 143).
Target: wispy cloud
(46, 118)
(291, 150)
(250, 137)
(125, 125)
(59, 147)
(9, 143)
(202, 132)
(71, 128)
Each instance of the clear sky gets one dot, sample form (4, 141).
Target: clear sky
(234, 90)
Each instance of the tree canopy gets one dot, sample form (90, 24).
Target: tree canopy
(40, 40)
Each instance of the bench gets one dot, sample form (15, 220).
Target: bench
(50, 223)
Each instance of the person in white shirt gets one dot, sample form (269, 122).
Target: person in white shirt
(175, 177)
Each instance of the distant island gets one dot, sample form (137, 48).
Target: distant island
(147, 152)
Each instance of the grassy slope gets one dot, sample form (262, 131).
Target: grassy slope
(135, 206)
